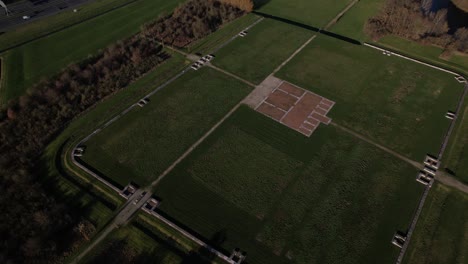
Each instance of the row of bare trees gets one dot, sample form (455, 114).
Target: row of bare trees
(194, 20)
(34, 226)
(412, 19)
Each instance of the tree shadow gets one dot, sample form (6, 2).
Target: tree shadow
(260, 3)
(206, 255)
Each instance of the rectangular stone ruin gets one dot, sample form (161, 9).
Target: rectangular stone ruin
(237, 256)
(128, 191)
(450, 115)
(432, 162)
(424, 178)
(399, 239)
(150, 205)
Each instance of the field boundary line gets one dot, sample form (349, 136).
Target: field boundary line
(411, 59)
(413, 163)
(196, 144)
(231, 75)
(341, 14)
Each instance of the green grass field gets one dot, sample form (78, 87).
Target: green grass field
(260, 186)
(310, 12)
(266, 46)
(27, 64)
(352, 23)
(426, 52)
(392, 101)
(143, 143)
(441, 235)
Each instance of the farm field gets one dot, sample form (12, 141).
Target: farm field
(441, 235)
(330, 198)
(265, 47)
(27, 64)
(398, 104)
(58, 21)
(144, 142)
(131, 240)
(310, 12)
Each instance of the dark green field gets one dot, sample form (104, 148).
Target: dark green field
(276, 194)
(27, 64)
(143, 143)
(392, 101)
(441, 235)
(266, 46)
(310, 12)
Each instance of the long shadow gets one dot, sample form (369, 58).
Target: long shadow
(260, 3)
(310, 28)
(214, 242)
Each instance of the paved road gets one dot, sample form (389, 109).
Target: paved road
(35, 9)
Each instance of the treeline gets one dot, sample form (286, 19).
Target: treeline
(412, 19)
(32, 223)
(194, 20)
(35, 227)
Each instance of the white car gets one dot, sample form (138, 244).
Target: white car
(26, 17)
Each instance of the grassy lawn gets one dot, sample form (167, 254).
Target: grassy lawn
(27, 64)
(223, 34)
(143, 143)
(352, 23)
(441, 235)
(310, 12)
(264, 48)
(456, 155)
(392, 101)
(59, 21)
(431, 53)
(260, 186)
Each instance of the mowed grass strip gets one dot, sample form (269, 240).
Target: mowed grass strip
(392, 101)
(441, 235)
(144, 142)
(265, 47)
(310, 12)
(27, 64)
(278, 195)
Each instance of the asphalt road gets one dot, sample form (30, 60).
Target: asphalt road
(35, 9)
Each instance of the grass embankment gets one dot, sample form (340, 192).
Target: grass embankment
(396, 103)
(441, 235)
(27, 64)
(309, 12)
(260, 186)
(144, 142)
(265, 47)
